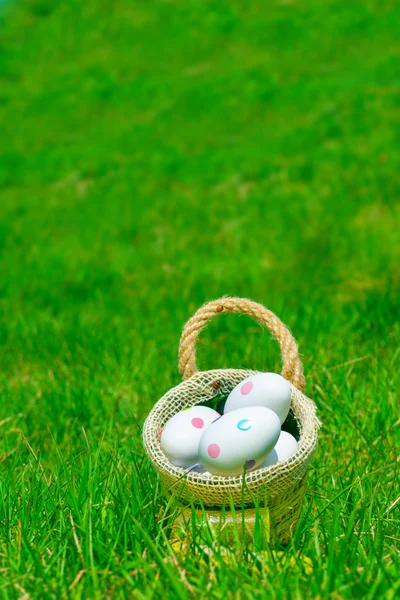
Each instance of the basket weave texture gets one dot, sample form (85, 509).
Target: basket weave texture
(281, 486)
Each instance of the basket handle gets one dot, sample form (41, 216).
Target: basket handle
(292, 366)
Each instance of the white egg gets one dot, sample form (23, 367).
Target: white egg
(241, 438)
(285, 447)
(181, 435)
(264, 389)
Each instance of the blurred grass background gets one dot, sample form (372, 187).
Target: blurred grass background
(153, 156)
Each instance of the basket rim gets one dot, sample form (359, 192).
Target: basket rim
(152, 429)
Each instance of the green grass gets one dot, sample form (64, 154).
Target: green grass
(155, 155)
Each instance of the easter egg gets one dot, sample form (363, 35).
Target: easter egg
(285, 447)
(181, 435)
(240, 439)
(264, 389)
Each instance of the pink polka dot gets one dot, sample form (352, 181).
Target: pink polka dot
(213, 450)
(246, 388)
(197, 422)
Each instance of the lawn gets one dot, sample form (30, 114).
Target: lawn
(153, 156)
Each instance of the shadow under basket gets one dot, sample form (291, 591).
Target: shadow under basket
(280, 488)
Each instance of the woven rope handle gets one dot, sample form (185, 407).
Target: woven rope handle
(292, 367)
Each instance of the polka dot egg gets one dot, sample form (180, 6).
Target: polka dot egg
(181, 435)
(285, 447)
(264, 389)
(240, 439)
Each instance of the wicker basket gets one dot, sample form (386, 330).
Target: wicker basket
(282, 486)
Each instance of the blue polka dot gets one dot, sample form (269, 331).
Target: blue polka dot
(244, 425)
